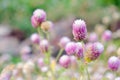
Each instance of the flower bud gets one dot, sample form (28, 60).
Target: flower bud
(64, 61)
(93, 51)
(79, 30)
(40, 62)
(79, 50)
(93, 37)
(113, 63)
(44, 45)
(46, 26)
(34, 23)
(63, 41)
(35, 38)
(107, 35)
(70, 48)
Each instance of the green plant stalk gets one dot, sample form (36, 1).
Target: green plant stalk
(59, 54)
(88, 75)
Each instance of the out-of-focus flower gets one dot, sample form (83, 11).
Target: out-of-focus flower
(38, 17)
(114, 63)
(73, 60)
(116, 16)
(44, 45)
(79, 50)
(93, 51)
(7, 72)
(99, 29)
(107, 35)
(106, 20)
(40, 62)
(65, 61)
(63, 41)
(93, 37)
(35, 38)
(46, 26)
(109, 76)
(70, 48)
(111, 49)
(117, 78)
(79, 30)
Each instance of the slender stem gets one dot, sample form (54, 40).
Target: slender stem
(59, 54)
(87, 72)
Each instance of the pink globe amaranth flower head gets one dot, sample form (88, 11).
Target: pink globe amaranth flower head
(93, 37)
(79, 50)
(44, 46)
(107, 35)
(65, 61)
(63, 41)
(114, 63)
(70, 48)
(35, 38)
(93, 51)
(79, 30)
(34, 23)
(40, 15)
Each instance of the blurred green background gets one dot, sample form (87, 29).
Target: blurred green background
(17, 13)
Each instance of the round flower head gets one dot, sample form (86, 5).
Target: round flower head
(93, 51)
(79, 50)
(107, 35)
(44, 45)
(93, 37)
(63, 41)
(79, 30)
(34, 23)
(113, 63)
(35, 38)
(38, 17)
(47, 25)
(64, 61)
(70, 48)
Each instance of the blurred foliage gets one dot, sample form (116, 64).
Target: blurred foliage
(17, 13)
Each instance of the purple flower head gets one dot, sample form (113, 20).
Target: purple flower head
(79, 30)
(34, 23)
(63, 41)
(113, 63)
(65, 61)
(44, 45)
(107, 35)
(70, 48)
(93, 51)
(93, 37)
(35, 38)
(38, 17)
(79, 50)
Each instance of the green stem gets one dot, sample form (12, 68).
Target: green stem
(59, 54)
(87, 72)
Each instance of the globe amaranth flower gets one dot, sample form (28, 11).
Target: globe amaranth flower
(114, 63)
(93, 51)
(46, 26)
(44, 46)
(79, 30)
(38, 17)
(35, 38)
(63, 41)
(70, 48)
(107, 35)
(79, 50)
(93, 37)
(65, 61)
